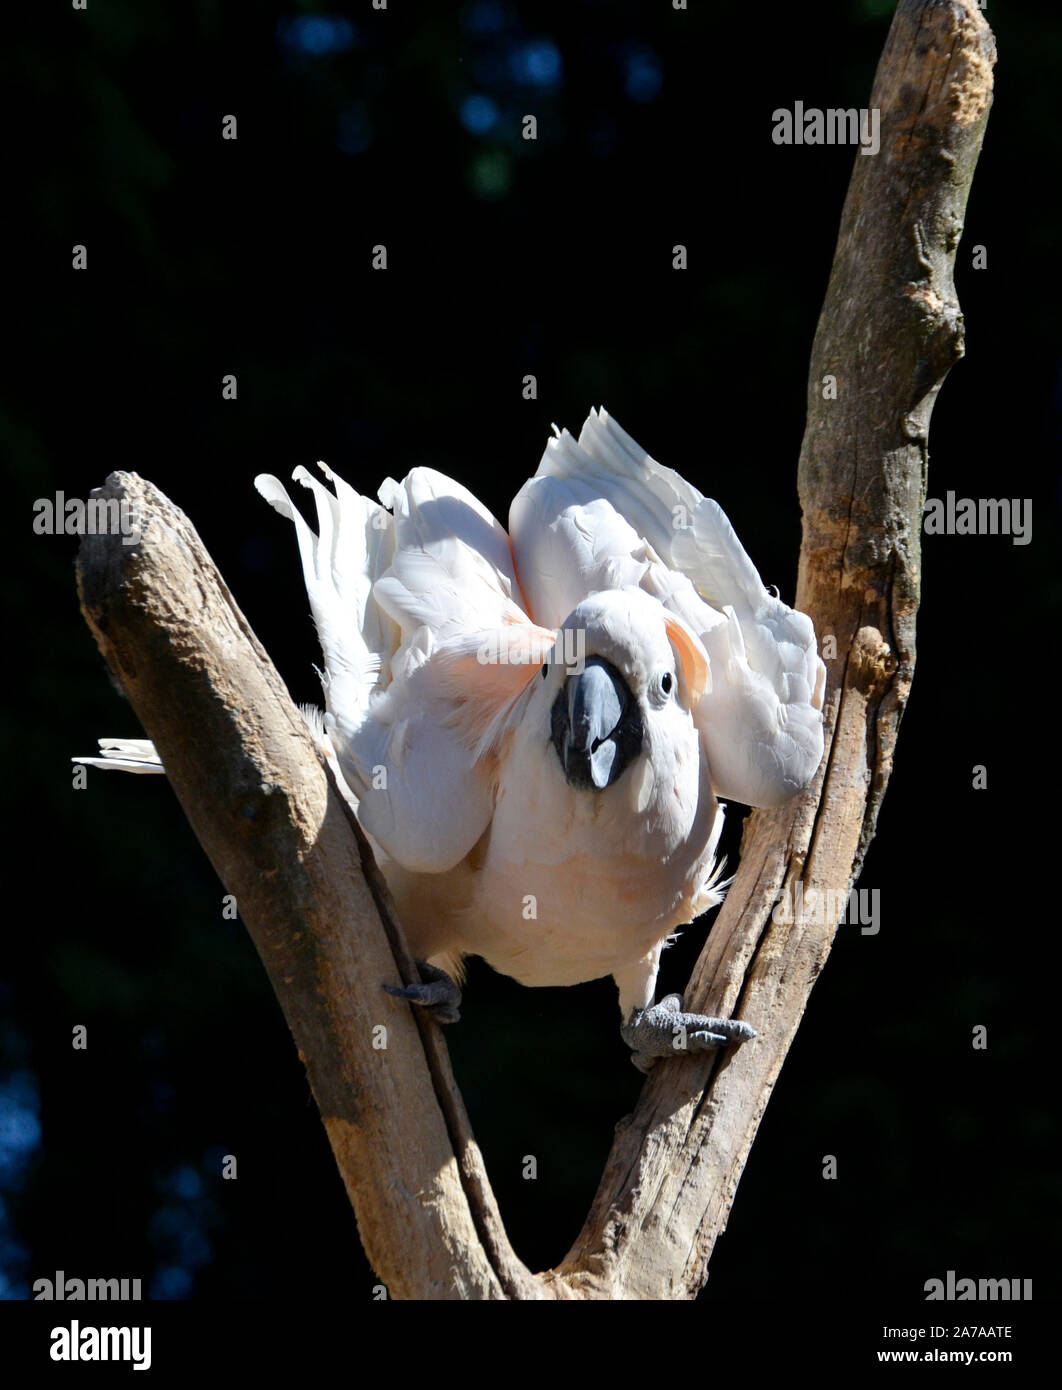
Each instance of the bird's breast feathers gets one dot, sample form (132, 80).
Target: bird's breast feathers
(574, 884)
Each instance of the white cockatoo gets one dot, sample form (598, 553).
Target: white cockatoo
(536, 727)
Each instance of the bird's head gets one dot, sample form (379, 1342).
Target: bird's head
(624, 674)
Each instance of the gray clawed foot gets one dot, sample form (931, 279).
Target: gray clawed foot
(439, 994)
(663, 1030)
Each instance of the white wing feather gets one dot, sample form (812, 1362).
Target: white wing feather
(760, 716)
(394, 598)
(355, 542)
(125, 755)
(452, 569)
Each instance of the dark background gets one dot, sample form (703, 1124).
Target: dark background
(252, 257)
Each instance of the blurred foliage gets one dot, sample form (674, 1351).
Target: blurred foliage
(505, 257)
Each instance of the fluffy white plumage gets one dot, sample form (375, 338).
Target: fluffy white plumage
(450, 708)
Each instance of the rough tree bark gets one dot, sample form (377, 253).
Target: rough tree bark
(283, 841)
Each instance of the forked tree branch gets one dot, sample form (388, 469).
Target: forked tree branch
(283, 841)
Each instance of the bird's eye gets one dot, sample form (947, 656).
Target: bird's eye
(660, 688)
(545, 669)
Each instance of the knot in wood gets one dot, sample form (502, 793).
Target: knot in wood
(872, 661)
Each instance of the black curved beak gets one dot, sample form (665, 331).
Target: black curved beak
(595, 726)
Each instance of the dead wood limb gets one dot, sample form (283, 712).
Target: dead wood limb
(243, 766)
(889, 331)
(280, 836)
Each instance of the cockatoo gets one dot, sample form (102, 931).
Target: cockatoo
(537, 727)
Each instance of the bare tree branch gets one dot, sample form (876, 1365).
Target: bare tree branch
(246, 772)
(284, 842)
(889, 331)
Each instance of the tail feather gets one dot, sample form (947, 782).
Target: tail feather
(125, 755)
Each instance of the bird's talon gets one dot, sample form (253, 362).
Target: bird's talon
(664, 1030)
(439, 993)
